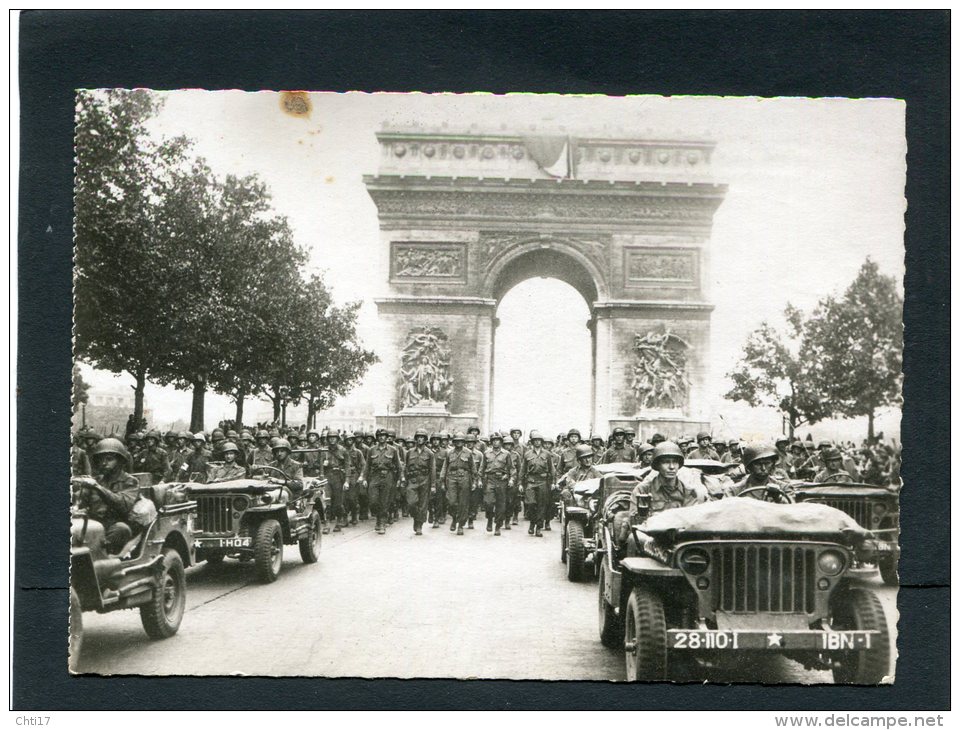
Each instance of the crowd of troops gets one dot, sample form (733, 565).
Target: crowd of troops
(441, 476)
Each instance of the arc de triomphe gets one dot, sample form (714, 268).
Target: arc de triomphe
(626, 222)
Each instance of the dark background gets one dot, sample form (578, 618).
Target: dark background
(798, 53)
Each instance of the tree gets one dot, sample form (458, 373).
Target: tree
(80, 388)
(121, 274)
(856, 342)
(773, 373)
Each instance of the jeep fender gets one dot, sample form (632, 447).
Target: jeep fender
(83, 579)
(178, 542)
(255, 515)
(577, 514)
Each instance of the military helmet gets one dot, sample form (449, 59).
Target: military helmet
(473, 429)
(733, 442)
(91, 435)
(313, 432)
(629, 432)
(471, 437)
(261, 434)
(534, 435)
(390, 432)
(830, 454)
(644, 448)
(332, 435)
(280, 444)
(507, 439)
(217, 432)
(519, 430)
(185, 435)
(825, 444)
(459, 436)
(496, 436)
(273, 441)
(702, 435)
(200, 436)
(755, 451)
(111, 446)
(583, 450)
(228, 446)
(350, 435)
(597, 437)
(667, 448)
(434, 435)
(573, 432)
(619, 432)
(782, 440)
(246, 436)
(444, 435)
(421, 432)
(135, 436)
(657, 438)
(232, 435)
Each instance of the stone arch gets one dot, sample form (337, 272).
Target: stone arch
(541, 256)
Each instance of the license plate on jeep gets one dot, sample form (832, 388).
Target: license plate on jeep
(225, 542)
(770, 640)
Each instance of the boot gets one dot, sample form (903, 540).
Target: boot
(530, 531)
(496, 533)
(506, 525)
(460, 530)
(326, 529)
(490, 525)
(378, 528)
(514, 521)
(417, 530)
(547, 526)
(353, 521)
(470, 524)
(336, 527)
(435, 524)
(538, 533)
(453, 527)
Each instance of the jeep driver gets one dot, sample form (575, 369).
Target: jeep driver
(110, 497)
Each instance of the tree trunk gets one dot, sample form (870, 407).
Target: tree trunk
(141, 377)
(870, 426)
(196, 407)
(311, 412)
(283, 414)
(239, 417)
(276, 408)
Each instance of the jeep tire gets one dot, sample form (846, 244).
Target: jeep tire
(161, 617)
(563, 541)
(76, 629)
(645, 637)
(268, 551)
(611, 628)
(860, 609)
(888, 569)
(310, 545)
(576, 551)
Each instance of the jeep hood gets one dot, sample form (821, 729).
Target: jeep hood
(842, 490)
(231, 487)
(747, 518)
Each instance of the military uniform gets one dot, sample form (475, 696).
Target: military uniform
(335, 468)
(536, 476)
(153, 461)
(381, 471)
(178, 458)
(196, 466)
(458, 478)
(513, 501)
(262, 456)
(498, 478)
(420, 470)
(356, 502)
(292, 470)
(79, 462)
(704, 453)
(438, 505)
(574, 475)
(750, 481)
(688, 490)
(476, 494)
(568, 460)
(614, 455)
(841, 475)
(112, 510)
(226, 472)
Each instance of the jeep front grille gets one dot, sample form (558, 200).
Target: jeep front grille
(768, 578)
(858, 509)
(214, 514)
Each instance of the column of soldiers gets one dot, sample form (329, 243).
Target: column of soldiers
(432, 477)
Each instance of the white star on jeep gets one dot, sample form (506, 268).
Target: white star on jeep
(774, 639)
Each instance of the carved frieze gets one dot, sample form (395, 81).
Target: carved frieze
(428, 261)
(660, 378)
(424, 379)
(493, 244)
(675, 267)
(440, 204)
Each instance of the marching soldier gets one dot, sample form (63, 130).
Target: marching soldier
(704, 448)
(335, 469)
(152, 458)
(498, 481)
(355, 495)
(518, 445)
(381, 472)
(313, 460)
(536, 478)
(513, 500)
(458, 477)
(583, 470)
(438, 502)
(180, 453)
(599, 447)
(194, 467)
(476, 494)
(569, 455)
(421, 472)
(619, 451)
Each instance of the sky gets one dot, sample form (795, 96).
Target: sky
(814, 187)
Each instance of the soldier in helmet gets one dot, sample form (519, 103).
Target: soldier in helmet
(355, 492)
(668, 485)
(291, 468)
(833, 470)
(734, 453)
(619, 451)
(599, 446)
(79, 462)
(583, 470)
(498, 480)
(645, 454)
(704, 448)
(381, 472)
(229, 469)
(518, 445)
(657, 438)
(194, 466)
(537, 477)
(459, 479)
(629, 436)
(335, 468)
(109, 497)
(476, 494)
(420, 469)
(720, 446)
(90, 440)
(313, 460)
(438, 503)
(262, 455)
(180, 453)
(134, 444)
(569, 455)
(783, 451)
(512, 501)
(152, 458)
(760, 461)
(170, 441)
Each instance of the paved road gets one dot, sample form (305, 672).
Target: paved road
(395, 605)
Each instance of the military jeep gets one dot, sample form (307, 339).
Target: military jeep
(148, 573)
(874, 508)
(579, 521)
(252, 519)
(725, 580)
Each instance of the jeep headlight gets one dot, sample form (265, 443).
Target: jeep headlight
(695, 561)
(831, 562)
(239, 503)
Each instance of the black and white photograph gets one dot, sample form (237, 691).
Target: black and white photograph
(517, 386)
